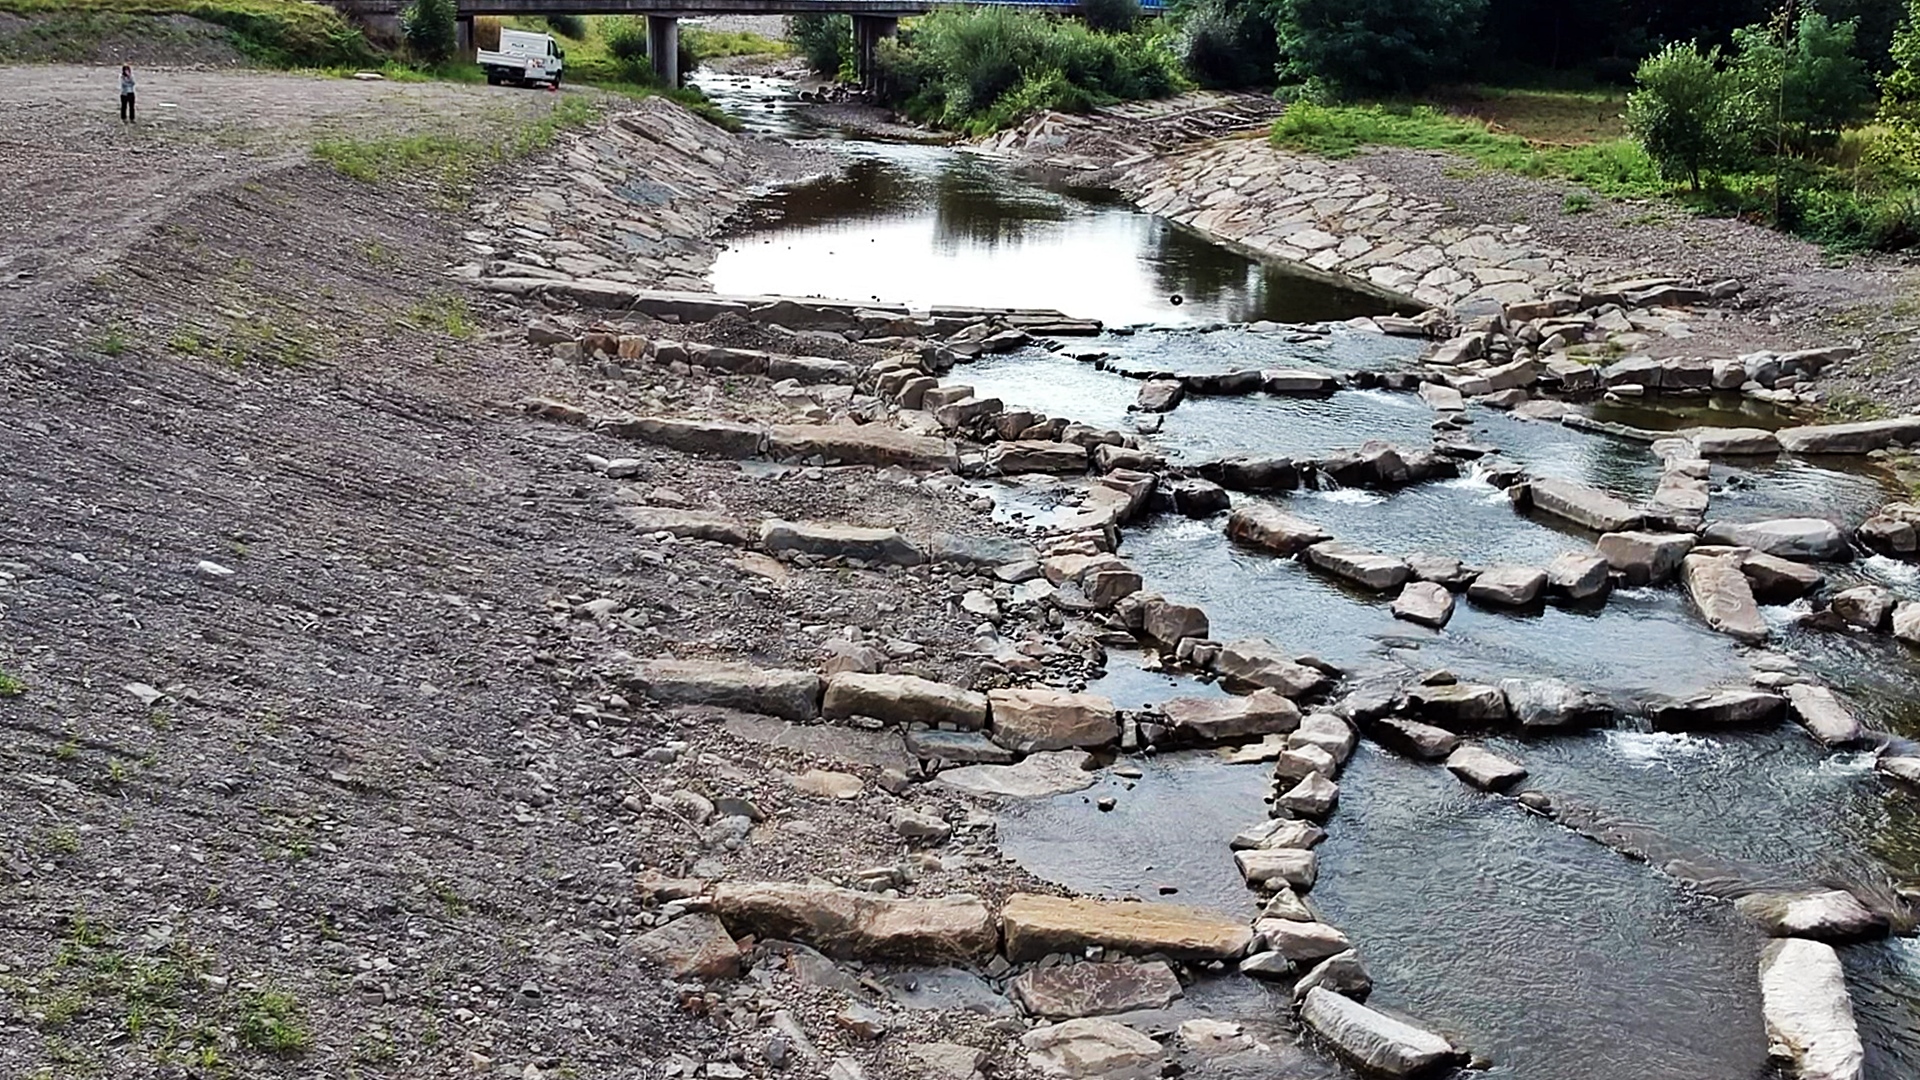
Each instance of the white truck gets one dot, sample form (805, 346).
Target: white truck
(524, 58)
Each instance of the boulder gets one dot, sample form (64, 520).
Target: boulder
(1277, 833)
(1779, 581)
(1717, 709)
(1856, 438)
(716, 437)
(1037, 456)
(1168, 622)
(1550, 704)
(878, 445)
(1257, 662)
(1733, 442)
(1074, 990)
(1265, 526)
(1160, 395)
(1830, 915)
(1222, 719)
(1889, 535)
(1645, 558)
(695, 946)
(1458, 703)
(1197, 498)
(1253, 474)
(903, 699)
(1326, 731)
(1314, 797)
(1037, 776)
(1424, 602)
(1724, 597)
(1297, 763)
(690, 524)
(1442, 398)
(1865, 606)
(848, 923)
(1303, 942)
(1821, 712)
(1088, 1047)
(790, 695)
(1906, 622)
(1374, 1040)
(1292, 867)
(1342, 973)
(1266, 965)
(1293, 382)
(1507, 586)
(1587, 507)
(1577, 575)
(1899, 767)
(1800, 539)
(989, 552)
(1808, 1013)
(823, 540)
(1443, 570)
(1413, 739)
(1367, 569)
(1485, 769)
(1037, 718)
(1036, 925)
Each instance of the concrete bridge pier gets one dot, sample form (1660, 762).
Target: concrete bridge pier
(663, 47)
(463, 39)
(868, 30)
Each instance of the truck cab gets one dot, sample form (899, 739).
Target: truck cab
(524, 58)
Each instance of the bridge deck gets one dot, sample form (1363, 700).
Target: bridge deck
(885, 8)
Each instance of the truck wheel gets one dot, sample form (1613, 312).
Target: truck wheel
(493, 78)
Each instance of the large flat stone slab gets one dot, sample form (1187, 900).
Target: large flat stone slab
(1221, 719)
(1263, 526)
(1862, 437)
(1724, 597)
(1824, 715)
(833, 541)
(1587, 507)
(903, 699)
(1717, 709)
(1800, 539)
(1091, 1047)
(690, 524)
(860, 925)
(721, 438)
(861, 444)
(1036, 925)
(1258, 662)
(790, 695)
(1808, 1012)
(1038, 718)
(1368, 569)
(1075, 990)
(1036, 777)
(1829, 915)
(1373, 1039)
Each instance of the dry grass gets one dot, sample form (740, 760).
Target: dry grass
(1560, 117)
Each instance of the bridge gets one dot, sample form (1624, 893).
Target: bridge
(873, 20)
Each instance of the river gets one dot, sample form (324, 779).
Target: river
(1547, 954)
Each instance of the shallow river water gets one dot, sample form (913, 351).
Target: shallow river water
(1549, 955)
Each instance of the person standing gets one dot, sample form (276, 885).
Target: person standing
(126, 94)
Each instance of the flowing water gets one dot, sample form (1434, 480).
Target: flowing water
(1548, 954)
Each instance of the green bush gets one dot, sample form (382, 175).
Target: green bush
(428, 26)
(1113, 16)
(568, 26)
(625, 37)
(1687, 113)
(1374, 46)
(826, 41)
(980, 69)
(1227, 45)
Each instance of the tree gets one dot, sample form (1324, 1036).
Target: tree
(1362, 46)
(428, 27)
(1685, 112)
(1113, 16)
(1801, 82)
(1227, 44)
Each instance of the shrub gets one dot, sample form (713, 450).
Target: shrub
(1370, 46)
(1113, 16)
(1224, 45)
(826, 41)
(1686, 113)
(568, 26)
(625, 37)
(428, 26)
(980, 69)
(1799, 89)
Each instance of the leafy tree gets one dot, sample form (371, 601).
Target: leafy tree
(568, 26)
(1360, 46)
(428, 28)
(1113, 16)
(826, 41)
(1801, 83)
(1686, 113)
(625, 37)
(1226, 44)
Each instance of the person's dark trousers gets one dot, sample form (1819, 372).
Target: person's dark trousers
(126, 108)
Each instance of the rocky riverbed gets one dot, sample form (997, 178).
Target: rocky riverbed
(646, 682)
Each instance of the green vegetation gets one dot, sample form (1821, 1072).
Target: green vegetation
(981, 69)
(1684, 115)
(568, 26)
(1111, 16)
(707, 44)
(428, 27)
(826, 41)
(443, 314)
(452, 160)
(11, 686)
(1371, 46)
(274, 33)
(1225, 43)
(274, 1023)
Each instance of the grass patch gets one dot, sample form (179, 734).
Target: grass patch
(1565, 117)
(443, 314)
(275, 1024)
(11, 686)
(274, 33)
(451, 160)
(707, 44)
(1617, 168)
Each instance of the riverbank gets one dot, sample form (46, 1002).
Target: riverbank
(321, 746)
